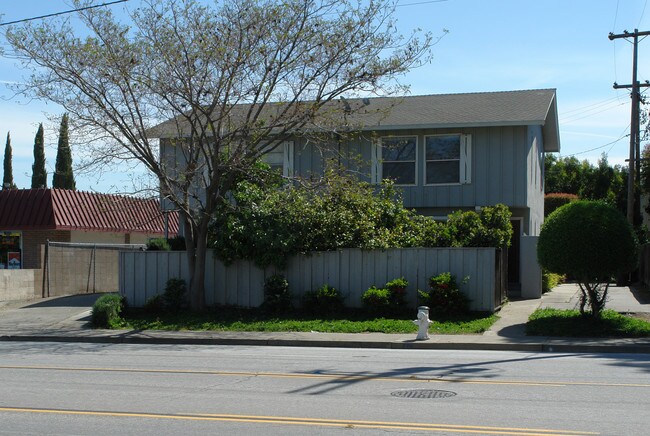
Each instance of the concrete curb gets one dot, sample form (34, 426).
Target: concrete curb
(529, 344)
(52, 322)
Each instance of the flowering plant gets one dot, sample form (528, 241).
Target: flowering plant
(443, 296)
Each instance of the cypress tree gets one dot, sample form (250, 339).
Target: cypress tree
(39, 174)
(63, 177)
(8, 178)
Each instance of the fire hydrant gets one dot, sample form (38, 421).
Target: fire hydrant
(423, 323)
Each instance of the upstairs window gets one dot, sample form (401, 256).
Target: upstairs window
(447, 159)
(281, 158)
(398, 157)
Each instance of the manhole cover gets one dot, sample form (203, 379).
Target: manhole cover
(423, 393)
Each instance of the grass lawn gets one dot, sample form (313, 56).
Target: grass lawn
(554, 322)
(232, 319)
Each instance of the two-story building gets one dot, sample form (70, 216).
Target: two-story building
(446, 152)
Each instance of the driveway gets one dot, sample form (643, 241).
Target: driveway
(47, 314)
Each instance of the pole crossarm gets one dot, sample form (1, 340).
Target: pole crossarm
(638, 85)
(627, 34)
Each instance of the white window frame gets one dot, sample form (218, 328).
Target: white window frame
(465, 160)
(376, 169)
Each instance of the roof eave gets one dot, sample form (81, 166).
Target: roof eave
(453, 125)
(551, 129)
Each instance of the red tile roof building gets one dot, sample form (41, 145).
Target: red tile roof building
(72, 216)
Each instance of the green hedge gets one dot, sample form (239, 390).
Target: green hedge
(555, 200)
(107, 311)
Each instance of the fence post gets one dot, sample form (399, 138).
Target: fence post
(46, 265)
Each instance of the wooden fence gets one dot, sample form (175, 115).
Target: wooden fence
(352, 271)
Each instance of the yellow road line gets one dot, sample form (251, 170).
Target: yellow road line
(320, 422)
(333, 376)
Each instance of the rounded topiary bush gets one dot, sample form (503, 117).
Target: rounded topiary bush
(589, 241)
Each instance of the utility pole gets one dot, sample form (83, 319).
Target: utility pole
(635, 138)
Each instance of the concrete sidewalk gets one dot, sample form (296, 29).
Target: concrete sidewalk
(66, 319)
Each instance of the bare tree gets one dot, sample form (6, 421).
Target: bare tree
(231, 81)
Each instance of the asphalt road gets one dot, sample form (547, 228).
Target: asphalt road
(104, 389)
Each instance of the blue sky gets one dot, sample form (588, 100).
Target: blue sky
(492, 45)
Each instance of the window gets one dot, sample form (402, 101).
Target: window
(447, 159)
(281, 158)
(10, 252)
(398, 156)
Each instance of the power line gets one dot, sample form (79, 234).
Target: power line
(24, 20)
(589, 106)
(613, 27)
(591, 112)
(426, 2)
(642, 13)
(597, 148)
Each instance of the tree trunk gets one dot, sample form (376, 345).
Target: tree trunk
(197, 282)
(596, 301)
(196, 246)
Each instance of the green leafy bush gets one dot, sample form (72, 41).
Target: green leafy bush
(397, 289)
(154, 304)
(107, 310)
(158, 244)
(490, 227)
(268, 223)
(591, 242)
(325, 300)
(389, 300)
(171, 300)
(550, 280)
(443, 297)
(277, 297)
(376, 299)
(174, 295)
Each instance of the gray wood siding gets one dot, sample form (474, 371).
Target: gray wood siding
(352, 271)
(535, 186)
(500, 162)
(504, 164)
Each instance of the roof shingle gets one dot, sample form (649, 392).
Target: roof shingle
(477, 109)
(62, 209)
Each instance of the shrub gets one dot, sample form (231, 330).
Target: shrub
(277, 297)
(397, 289)
(158, 244)
(489, 228)
(154, 304)
(325, 300)
(550, 280)
(171, 300)
(376, 299)
(555, 200)
(107, 310)
(443, 297)
(174, 295)
(269, 223)
(591, 242)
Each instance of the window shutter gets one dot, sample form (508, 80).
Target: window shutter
(466, 159)
(287, 167)
(375, 162)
